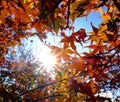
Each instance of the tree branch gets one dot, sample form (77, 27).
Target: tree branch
(105, 65)
(47, 97)
(68, 14)
(109, 50)
(40, 87)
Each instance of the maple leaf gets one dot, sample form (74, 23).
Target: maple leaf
(78, 37)
(70, 41)
(60, 53)
(92, 59)
(17, 16)
(97, 48)
(73, 46)
(93, 86)
(78, 64)
(95, 30)
(81, 34)
(69, 51)
(74, 85)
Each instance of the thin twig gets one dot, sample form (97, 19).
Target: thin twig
(47, 97)
(109, 50)
(68, 13)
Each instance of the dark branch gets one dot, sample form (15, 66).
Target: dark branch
(40, 87)
(105, 65)
(109, 50)
(47, 97)
(68, 13)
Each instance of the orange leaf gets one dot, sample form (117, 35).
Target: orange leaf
(97, 48)
(65, 56)
(69, 51)
(78, 64)
(65, 39)
(93, 86)
(82, 34)
(92, 46)
(73, 46)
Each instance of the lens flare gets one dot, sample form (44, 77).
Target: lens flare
(47, 59)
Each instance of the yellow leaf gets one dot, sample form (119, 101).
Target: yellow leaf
(101, 11)
(93, 86)
(69, 51)
(106, 18)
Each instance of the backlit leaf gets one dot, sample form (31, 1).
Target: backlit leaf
(95, 30)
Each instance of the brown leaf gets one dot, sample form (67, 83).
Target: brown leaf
(95, 30)
(82, 34)
(73, 46)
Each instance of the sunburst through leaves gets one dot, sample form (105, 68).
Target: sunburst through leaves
(47, 60)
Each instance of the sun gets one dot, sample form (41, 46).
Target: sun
(47, 60)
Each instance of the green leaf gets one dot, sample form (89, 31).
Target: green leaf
(56, 26)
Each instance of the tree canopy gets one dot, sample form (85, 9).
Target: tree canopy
(80, 75)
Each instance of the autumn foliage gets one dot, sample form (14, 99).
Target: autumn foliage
(78, 76)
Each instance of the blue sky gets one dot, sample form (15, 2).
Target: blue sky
(94, 18)
(79, 23)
